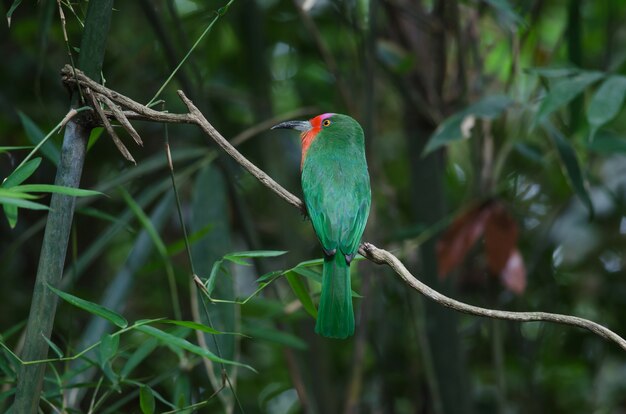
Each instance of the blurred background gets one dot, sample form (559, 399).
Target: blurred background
(496, 155)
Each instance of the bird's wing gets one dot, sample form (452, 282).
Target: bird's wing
(338, 201)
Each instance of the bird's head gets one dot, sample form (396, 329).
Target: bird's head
(308, 129)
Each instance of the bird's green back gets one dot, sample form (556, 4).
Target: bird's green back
(336, 185)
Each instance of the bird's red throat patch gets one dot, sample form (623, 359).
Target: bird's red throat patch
(307, 137)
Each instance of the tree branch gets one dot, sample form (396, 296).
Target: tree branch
(368, 250)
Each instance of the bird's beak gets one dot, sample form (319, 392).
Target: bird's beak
(299, 125)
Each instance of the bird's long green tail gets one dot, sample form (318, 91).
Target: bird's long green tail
(335, 317)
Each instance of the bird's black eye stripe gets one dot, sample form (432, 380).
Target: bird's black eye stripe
(326, 122)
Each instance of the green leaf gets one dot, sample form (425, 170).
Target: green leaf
(607, 144)
(10, 212)
(94, 136)
(108, 348)
(311, 274)
(553, 72)
(316, 276)
(489, 107)
(606, 103)
(53, 346)
(92, 308)
(50, 188)
(22, 173)
(11, 200)
(7, 149)
(11, 193)
(181, 343)
(238, 261)
(20, 202)
(310, 263)
(179, 245)
(564, 91)
(568, 159)
(145, 222)
(269, 276)
(270, 334)
(13, 7)
(35, 135)
(146, 399)
(215, 270)
(255, 254)
(193, 325)
(301, 293)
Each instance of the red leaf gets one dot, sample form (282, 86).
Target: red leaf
(500, 238)
(514, 273)
(454, 244)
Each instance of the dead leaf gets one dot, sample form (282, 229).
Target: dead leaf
(456, 242)
(500, 238)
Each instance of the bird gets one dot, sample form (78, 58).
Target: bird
(337, 195)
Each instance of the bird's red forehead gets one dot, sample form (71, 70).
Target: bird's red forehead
(307, 137)
(316, 122)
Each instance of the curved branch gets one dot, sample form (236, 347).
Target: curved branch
(368, 250)
(381, 256)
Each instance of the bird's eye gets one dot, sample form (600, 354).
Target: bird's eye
(326, 122)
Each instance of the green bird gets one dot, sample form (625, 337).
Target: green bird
(337, 194)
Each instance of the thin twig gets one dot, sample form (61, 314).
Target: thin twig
(107, 125)
(368, 250)
(121, 118)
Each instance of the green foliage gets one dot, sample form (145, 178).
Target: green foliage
(91, 307)
(490, 107)
(36, 136)
(564, 91)
(606, 103)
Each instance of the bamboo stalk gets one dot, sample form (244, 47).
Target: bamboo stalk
(59, 223)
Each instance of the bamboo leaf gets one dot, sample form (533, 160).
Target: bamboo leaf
(176, 342)
(606, 103)
(553, 72)
(489, 107)
(238, 261)
(269, 276)
(14, 6)
(10, 212)
(255, 254)
(108, 348)
(210, 284)
(8, 149)
(568, 159)
(564, 91)
(51, 188)
(92, 308)
(36, 135)
(22, 173)
(11, 193)
(146, 399)
(607, 144)
(301, 293)
(193, 325)
(20, 202)
(53, 346)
